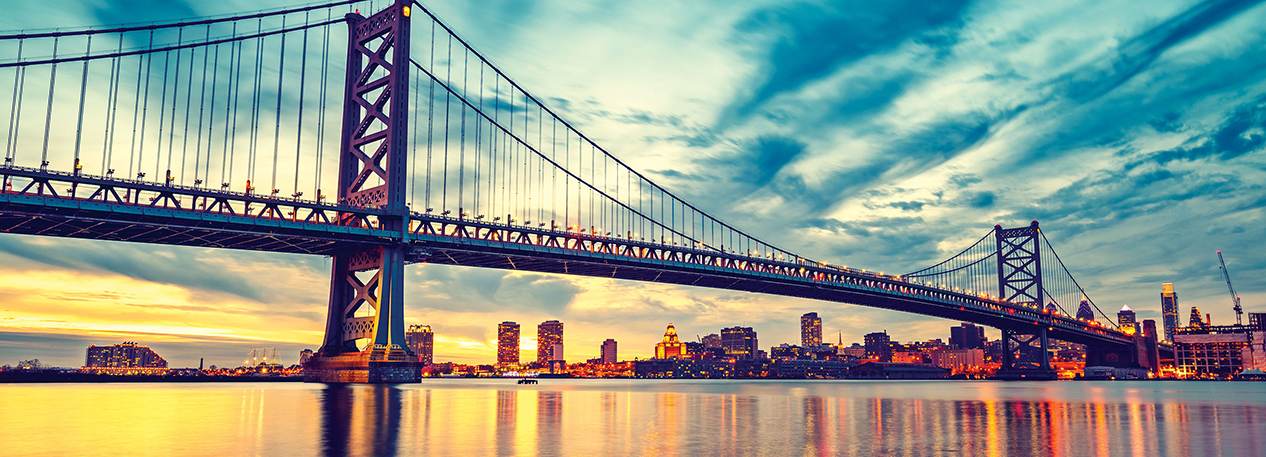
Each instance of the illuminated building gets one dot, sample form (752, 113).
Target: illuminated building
(304, 355)
(881, 370)
(670, 347)
(1083, 310)
(1195, 321)
(608, 351)
(907, 357)
(1169, 309)
(422, 341)
(812, 369)
(785, 352)
(810, 330)
(1221, 351)
(878, 346)
(508, 344)
(1125, 318)
(958, 360)
(967, 336)
(712, 341)
(126, 355)
(548, 334)
(1053, 309)
(740, 342)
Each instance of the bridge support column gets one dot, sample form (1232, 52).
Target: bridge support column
(367, 284)
(1030, 359)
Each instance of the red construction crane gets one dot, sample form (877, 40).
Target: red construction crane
(1239, 311)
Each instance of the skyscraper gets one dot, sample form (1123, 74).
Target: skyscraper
(810, 330)
(508, 343)
(422, 341)
(608, 351)
(1083, 310)
(1052, 309)
(967, 336)
(1195, 321)
(1125, 318)
(879, 346)
(739, 342)
(548, 334)
(670, 347)
(1169, 309)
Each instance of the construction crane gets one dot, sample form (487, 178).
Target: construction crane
(1239, 311)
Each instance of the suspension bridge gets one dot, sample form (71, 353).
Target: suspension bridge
(386, 139)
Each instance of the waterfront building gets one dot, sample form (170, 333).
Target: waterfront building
(1221, 351)
(812, 369)
(305, 355)
(967, 336)
(1083, 309)
(1169, 310)
(125, 355)
(810, 330)
(670, 347)
(712, 341)
(882, 370)
(421, 341)
(879, 346)
(609, 351)
(958, 360)
(548, 334)
(907, 357)
(508, 344)
(1126, 319)
(740, 342)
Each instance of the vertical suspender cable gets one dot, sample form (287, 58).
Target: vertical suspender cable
(461, 155)
(175, 91)
(430, 121)
(48, 116)
(325, 63)
(19, 80)
(162, 115)
(215, 84)
(184, 133)
(281, 72)
(107, 162)
(83, 94)
(448, 79)
(202, 106)
(142, 98)
(303, 77)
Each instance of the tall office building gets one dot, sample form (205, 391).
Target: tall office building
(967, 336)
(608, 351)
(126, 355)
(1169, 310)
(1083, 309)
(1125, 318)
(739, 342)
(421, 340)
(810, 330)
(879, 346)
(508, 343)
(548, 334)
(711, 341)
(1195, 321)
(670, 347)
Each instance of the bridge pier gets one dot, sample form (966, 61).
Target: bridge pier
(367, 284)
(1030, 359)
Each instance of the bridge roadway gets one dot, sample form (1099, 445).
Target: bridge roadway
(49, 203)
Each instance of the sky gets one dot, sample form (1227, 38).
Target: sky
(879, 135)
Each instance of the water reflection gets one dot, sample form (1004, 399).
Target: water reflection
(484, 417)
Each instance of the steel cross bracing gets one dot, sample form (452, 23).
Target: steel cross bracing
(369, 228)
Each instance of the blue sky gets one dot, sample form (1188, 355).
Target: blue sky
(881, 135)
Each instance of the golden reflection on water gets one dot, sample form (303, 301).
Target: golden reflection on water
(590, 418)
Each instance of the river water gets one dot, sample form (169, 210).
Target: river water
(637, 417)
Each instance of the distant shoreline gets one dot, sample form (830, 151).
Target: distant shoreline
(11, 377)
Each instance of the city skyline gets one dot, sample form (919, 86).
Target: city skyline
(1181, 193)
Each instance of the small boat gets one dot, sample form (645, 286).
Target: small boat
(527, 381)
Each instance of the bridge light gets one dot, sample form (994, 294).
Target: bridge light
(405, 11)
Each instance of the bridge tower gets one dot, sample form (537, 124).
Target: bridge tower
(1020, 281)
(367, 282)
